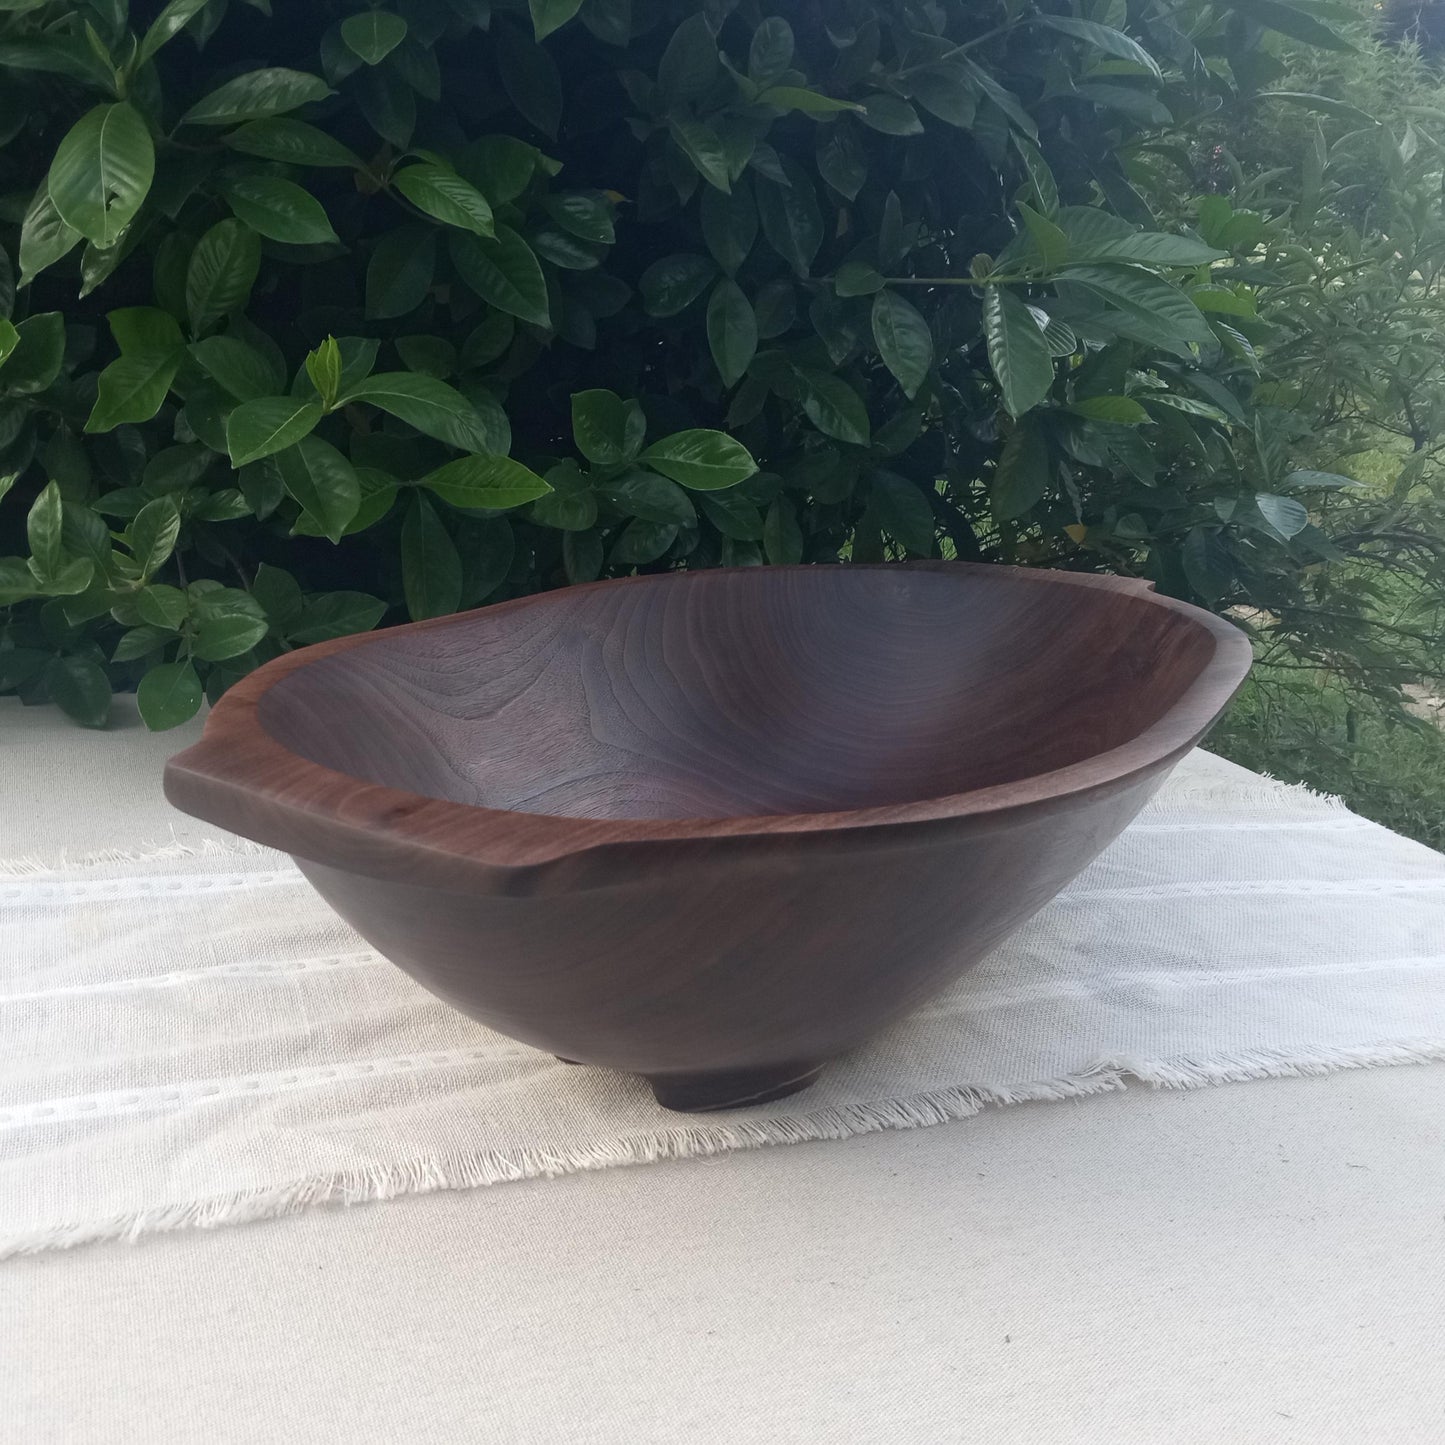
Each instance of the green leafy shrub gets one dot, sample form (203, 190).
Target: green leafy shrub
(342, 315)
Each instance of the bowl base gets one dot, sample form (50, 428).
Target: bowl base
(712, 1089)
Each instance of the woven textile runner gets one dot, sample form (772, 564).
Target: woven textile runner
(190, 1037)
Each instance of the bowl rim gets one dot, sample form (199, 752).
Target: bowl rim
(241, 777)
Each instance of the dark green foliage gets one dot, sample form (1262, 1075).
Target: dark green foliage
(447, 301)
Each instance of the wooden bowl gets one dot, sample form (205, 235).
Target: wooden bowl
(715, 828)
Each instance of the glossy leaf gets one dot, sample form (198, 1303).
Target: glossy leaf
(279, 209)
(607, 429)
(732, 330)
(432, 407)
(1017, 351)
(255, 95)
(701, 460)
(169, 695)
(372, 35)
(442, 193)
(283, 138)
(102, 172)
(220, 274)
(903, 339)
(486, 482)
(79, 687)
(268, 425)
(323, 481)
(504, 272)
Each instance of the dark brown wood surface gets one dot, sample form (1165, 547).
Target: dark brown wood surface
(715, 828)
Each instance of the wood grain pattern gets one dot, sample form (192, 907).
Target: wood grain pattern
(715, 828)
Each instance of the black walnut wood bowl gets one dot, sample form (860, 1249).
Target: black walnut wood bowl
(715, 828)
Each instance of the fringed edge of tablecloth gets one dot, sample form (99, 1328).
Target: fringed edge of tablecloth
(703, 1140)
(37, 865)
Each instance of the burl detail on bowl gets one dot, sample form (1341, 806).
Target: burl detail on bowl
(715, 828)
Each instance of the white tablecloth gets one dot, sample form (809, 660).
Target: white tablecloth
(1261, 1262)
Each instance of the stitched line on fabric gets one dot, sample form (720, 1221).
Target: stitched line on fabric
(151, 1098)
(44, 894)
(1263, 887)
(254, 971)
(1164, 978)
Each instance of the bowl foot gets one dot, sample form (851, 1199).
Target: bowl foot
(701, 1093)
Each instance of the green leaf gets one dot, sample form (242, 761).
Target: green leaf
(102, 172)
(1327, 105)
(530, 78)
(43, 532)
(891, 114)
(639, 493)
(771, 51)
(550, 15)
(267, 425)
(904, 340)
(782, 536)
(1105, 38)
(144, 328)
(152, 534)
(486, 482)
(1017, 351)
(323, 366)
(701, 145)
(36, 358)
(1122, 410)
(221, 272)
(1305, 480)
(228, 623)
(174, 17)
(855, 278)
(947, 94)
(904, 513)
(337, 614)
(842, 160)
(642, 542)
(672, 284)
(432, 407)
(1287, 515)
(168, 695)
(607, 430)
(256, 95)
(44, 237)
(9, 339)
(733, 515)
(279, 210)
(689, 64)
(294, 142)
(79, 688)
(133, 387)
(400, 272)
(701, 460)
(323, 481)
(583, 216)
(834, 407)
(1276, 15)
(504, 272)
(1209, 563)
(729, 226)
(732, 330)
(1051, 243)
(572, 510)
(1022, 475)
(141, 642)
(239, 368)
(791, 220)
(442, 193)
(162, 605)
(431, 569)
(488, 341)
(809, 102)
(373, 34)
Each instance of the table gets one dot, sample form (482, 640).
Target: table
(1259, 1262)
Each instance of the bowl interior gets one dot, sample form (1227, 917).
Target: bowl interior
(733, 694)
